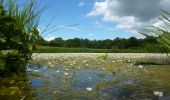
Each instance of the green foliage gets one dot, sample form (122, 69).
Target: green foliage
(102, 58)
(98, 44)
(47, 49)
(162, 33)
(118, 45)
(18, 33)
(2, 66)
(148, 49)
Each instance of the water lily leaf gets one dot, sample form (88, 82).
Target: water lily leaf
(103, 57)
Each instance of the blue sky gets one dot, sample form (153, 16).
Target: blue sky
(98, 19)
(69, 12)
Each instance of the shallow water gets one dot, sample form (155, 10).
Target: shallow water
(91, 80)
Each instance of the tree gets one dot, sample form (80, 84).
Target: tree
(133, 42)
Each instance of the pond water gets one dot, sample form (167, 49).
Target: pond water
(88, 79)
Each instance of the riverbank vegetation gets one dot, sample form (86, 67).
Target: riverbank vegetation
(18, 33)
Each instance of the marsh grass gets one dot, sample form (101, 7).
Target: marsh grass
(162, 33)
(18, 33)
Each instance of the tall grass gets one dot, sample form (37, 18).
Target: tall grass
(162, 33)
(18, 33)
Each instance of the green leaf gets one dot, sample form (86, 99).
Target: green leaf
(1, 7)
(17, 40)
(2, 40)
(29, 46)
(35, 31)
(9, 52)
(2, 66)
(6, 19)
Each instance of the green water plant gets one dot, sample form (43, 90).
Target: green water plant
(18, 33)
(102, 58)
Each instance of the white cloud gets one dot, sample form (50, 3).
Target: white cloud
(49, 38)
(81, 4)
(130, 15)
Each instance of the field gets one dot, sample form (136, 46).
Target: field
(89, 76)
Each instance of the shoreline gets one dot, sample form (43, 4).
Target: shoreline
(116, 55)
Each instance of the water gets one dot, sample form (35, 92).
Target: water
(62, 82)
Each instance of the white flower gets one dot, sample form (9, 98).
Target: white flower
(89, 89)
(103, 68)
(29, 70)
(36, 70)
(131, 64)
(49, 63)
(113, 61)
(158, 93)
(65, 73)
(55, 92)
(90, 78)
(119, 60)
(145, 70)
(140, 66)
(58, 71)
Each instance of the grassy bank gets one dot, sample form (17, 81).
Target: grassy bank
(47, 49)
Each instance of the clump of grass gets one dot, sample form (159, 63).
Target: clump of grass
(18, 33)
(163, 34)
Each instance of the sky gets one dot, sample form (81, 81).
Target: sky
(101, 19)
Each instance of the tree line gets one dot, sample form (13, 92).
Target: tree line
(150, 43)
